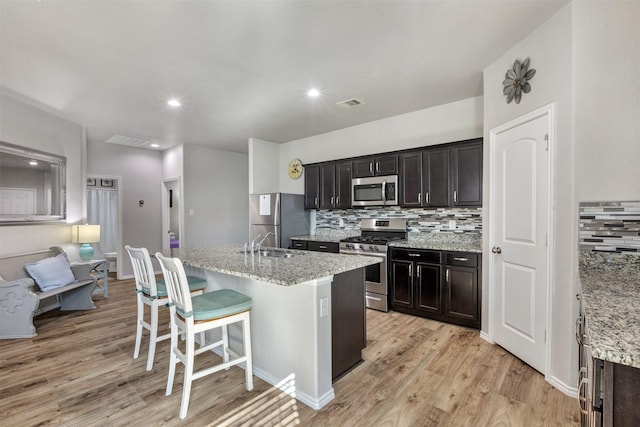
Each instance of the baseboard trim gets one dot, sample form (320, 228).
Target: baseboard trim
(568, 390)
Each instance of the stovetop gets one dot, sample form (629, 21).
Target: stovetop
(376, 234)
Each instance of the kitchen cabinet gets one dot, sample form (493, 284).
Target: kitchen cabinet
(312, 187)
(466, 174)
(375, 166)
(438, 285)
(335, 185)
(315, 245)
(425, 178)
(348, 322)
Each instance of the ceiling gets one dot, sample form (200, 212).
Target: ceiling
(241, 69)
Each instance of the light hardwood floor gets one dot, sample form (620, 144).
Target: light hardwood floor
(80, 370)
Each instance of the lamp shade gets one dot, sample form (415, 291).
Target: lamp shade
(85, 233)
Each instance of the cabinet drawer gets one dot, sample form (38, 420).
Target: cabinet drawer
(323, 246)
(462, 259)
(299, 244)
(432, 257)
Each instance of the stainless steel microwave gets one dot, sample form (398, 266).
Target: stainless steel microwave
(374, 191)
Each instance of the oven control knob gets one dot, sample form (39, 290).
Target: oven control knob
(373, 248)
(349, 245)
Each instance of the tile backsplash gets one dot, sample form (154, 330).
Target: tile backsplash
(610, 226)
(463, 220)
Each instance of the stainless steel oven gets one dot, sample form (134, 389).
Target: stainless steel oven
(375, 234)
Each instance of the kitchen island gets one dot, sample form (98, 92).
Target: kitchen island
(291, 330)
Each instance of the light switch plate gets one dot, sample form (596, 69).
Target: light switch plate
(324, 306)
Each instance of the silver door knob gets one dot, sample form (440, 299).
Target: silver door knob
(496, 250)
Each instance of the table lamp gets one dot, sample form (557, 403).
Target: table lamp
(85, 234)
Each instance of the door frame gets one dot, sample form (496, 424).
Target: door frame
(166, 217)
(548, 111)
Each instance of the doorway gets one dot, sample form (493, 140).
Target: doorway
(172, 235)
(520, 231)
(104, 207)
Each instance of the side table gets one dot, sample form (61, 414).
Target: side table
(99, 270)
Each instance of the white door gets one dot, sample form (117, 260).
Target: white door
(519, 227)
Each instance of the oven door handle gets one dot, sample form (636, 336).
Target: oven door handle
(376, 254)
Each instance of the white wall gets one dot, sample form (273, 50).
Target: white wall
(445, 123)
(264, 166)
(26, 123)
(141, 172)
(550, 49)
(606, 39)
(216, 190)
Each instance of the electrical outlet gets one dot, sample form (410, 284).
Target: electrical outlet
(324, 306)
(452, 223)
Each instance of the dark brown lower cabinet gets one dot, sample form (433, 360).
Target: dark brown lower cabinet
(348, 321)
(438, 285)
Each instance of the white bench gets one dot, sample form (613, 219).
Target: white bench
(21, 299)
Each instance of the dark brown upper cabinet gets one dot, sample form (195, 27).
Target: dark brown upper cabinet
(312, 187)
(425, 178)
(466, 174)
(335, 185)
(375, 165)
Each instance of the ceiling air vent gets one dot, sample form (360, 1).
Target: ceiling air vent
(125, 140)
(349, 103)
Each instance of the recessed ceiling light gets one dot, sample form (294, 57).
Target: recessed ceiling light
(313, 93)
(33, 163)
(173, 103)
(155, 145)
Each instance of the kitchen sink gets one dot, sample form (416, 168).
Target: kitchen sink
(275, 254)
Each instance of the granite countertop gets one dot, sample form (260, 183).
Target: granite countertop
(610, 295)
(302, 267)
(459, 242)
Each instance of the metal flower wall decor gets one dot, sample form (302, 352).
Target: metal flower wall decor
(516, 80)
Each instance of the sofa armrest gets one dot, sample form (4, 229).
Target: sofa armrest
(17, 304)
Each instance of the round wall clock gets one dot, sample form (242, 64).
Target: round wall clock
(295, 168)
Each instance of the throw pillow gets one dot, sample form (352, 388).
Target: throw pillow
(51, 273)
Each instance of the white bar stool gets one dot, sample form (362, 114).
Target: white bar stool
(201, 313)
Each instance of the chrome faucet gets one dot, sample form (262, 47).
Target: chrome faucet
(253, 243)
(263, 239)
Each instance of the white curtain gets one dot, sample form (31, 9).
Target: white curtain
(102, 208)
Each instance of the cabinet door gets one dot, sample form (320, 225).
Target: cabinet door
(462, 293)
(343, 185)
(436, 178)
(402, 284)
(363, 167)
(312, 187)
(386, 165)
(429, 296)
(411, 179)
(467, 175)
(327, 185)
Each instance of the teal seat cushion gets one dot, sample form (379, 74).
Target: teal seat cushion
(220, 303)
(195, 284)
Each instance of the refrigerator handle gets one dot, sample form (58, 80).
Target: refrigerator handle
(276, 237)
(276, 212)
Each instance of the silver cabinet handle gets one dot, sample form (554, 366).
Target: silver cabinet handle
(316, 201)
(337, 200)
(419, 197)
(332, 201)
(410, 270)
(447, 276)
(371, 168)
(413, 254)
(427, 197)
(377, 166)
(417, 272)
(461, 259)
(496, 250)
(455, 195)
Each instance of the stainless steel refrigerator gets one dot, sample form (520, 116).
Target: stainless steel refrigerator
(280, 214)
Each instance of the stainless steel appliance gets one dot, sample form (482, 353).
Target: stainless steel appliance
(375, 234)
(278, 216)
(374, 191)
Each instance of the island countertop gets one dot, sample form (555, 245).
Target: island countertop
(303, 266)
(611, 301)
